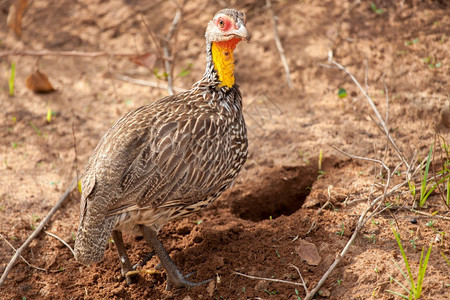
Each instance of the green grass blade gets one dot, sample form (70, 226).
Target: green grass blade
(401, 271)
(397, 294)
(422, 270)
(400, 284)
(12, 79)
(35, 128)
(423, 189)
(405, 259)
(445, 258)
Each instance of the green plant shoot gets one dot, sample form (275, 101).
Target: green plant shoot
(423, 190)
(12, 79)
(415, 289)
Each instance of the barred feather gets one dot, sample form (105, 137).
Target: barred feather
(162, 161)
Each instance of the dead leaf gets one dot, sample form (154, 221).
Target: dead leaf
(308, 252)
(324, 293)
(15, 14)
(211, 288)
(147, 60)
(38, 82)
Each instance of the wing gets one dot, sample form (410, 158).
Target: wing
(160, 154)
(175, 164)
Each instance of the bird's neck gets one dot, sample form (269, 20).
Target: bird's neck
(221, 61)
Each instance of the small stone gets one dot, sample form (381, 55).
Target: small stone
(198, 239)
(117, 290)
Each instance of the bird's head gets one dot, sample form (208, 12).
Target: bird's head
(224, 32)
(227, 24)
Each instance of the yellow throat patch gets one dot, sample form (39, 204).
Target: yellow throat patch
(222, 54)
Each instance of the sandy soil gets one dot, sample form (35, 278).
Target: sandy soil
(270, 218)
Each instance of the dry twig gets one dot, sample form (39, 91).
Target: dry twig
(147, 83)
(429, 215)
(279, 45)
(61, 240)
(38, 230)
(361, 222)
(64, 53)
(30, 265)
(168, 51)
(330, 187)
(381, 122)
(269, 279)
(375, 205)
(301, 277)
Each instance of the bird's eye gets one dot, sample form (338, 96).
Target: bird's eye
(221, 23)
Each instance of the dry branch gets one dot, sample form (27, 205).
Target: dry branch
(62, 241)
(381, 122)
(269, 279)
(279, 45)
(147, 83)
(168, 51)
(25, 261)
(301, 277)
(38, 230)
(361, 222)
(375, 205)
(64, 53)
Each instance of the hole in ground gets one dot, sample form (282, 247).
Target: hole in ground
(281, 192)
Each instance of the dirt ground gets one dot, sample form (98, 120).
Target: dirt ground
(267, 221)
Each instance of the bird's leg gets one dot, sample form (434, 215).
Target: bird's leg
(174, 276)
(125, 261)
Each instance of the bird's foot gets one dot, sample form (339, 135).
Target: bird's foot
(131, 277)
(174, 276)
(178, 280)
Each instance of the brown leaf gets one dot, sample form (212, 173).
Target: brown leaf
(38, 83)
(15, 14)
(308, 252)
(211, 288)
(147, 60)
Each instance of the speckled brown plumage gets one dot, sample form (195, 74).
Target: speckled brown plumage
(164, 160)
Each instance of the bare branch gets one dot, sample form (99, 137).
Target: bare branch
(147, 83)
(152, 35)
(268, 279)
(301, 277)
(30, 265)
(38, 230)
(361, 222)
(61, 240)
(64, 53)
(361, 158)
(381, 122)
(279, 45)
(168, 51)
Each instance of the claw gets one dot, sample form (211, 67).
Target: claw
(174, 276)
(180, 281)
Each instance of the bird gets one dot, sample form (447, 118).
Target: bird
(167, 159)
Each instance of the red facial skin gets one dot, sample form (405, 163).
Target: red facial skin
(224, 24)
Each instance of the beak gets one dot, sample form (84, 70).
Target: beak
(241, 32)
